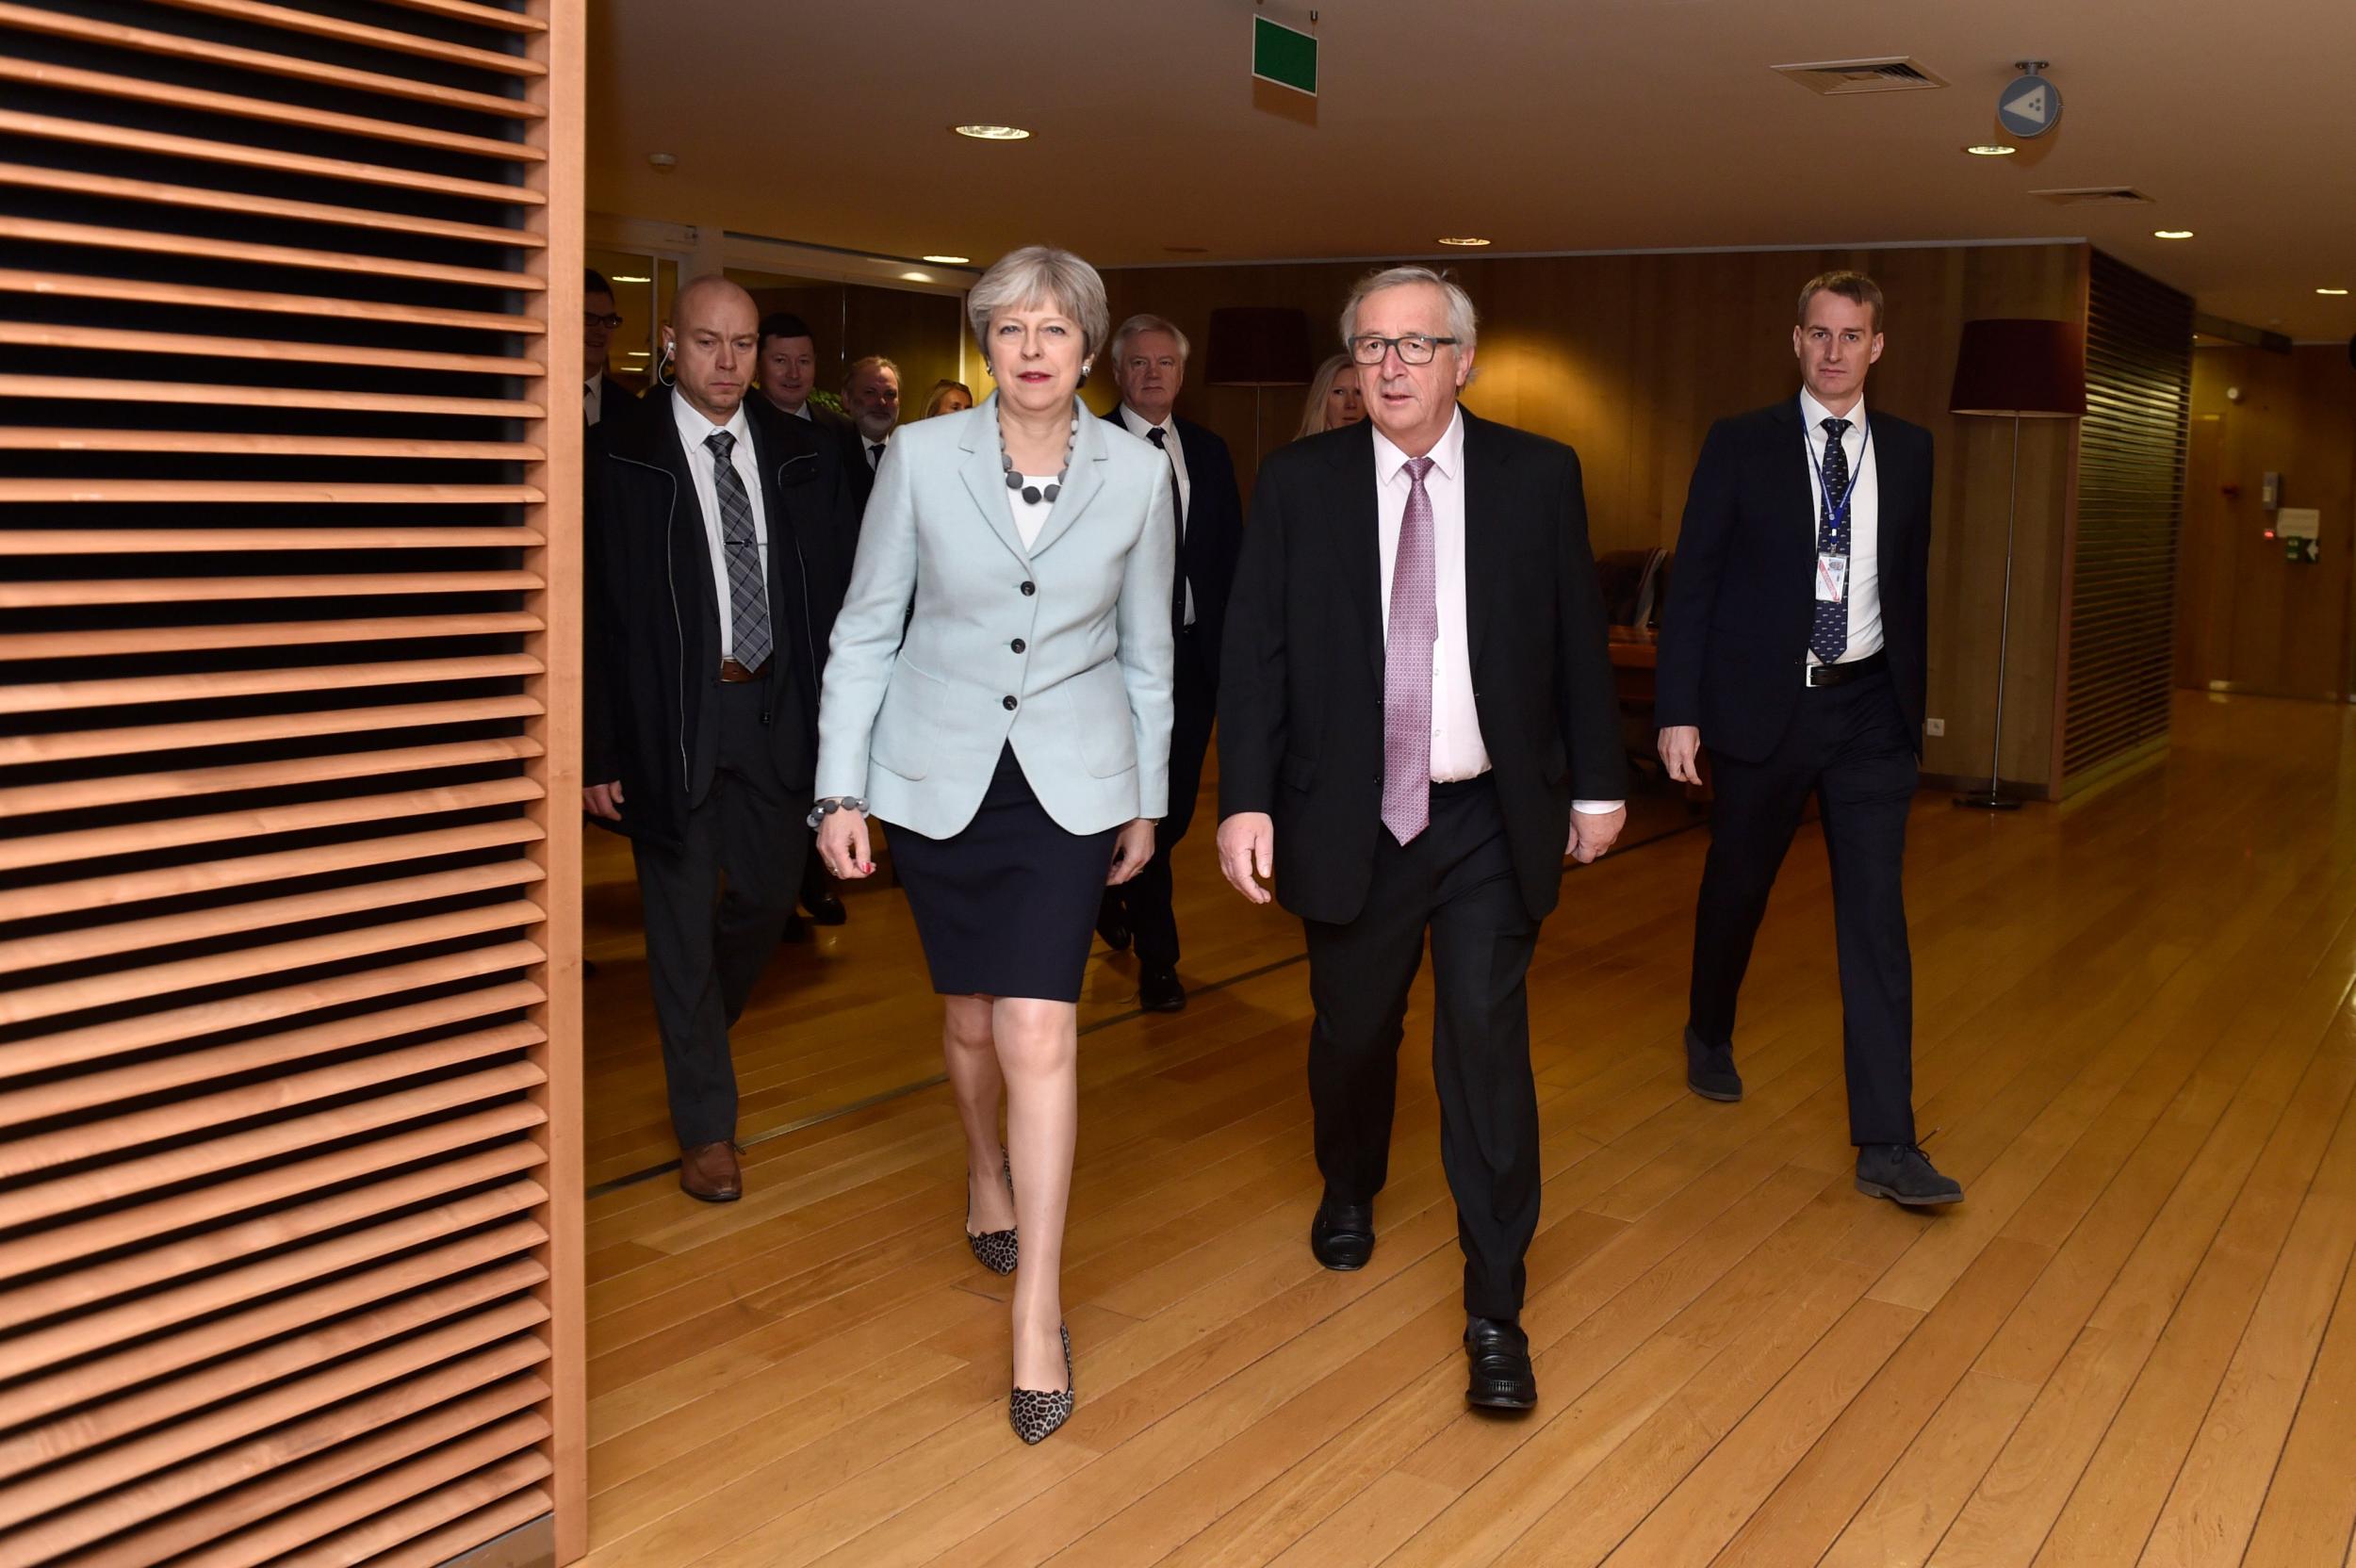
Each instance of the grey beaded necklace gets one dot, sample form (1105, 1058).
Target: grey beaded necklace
(1031, 494)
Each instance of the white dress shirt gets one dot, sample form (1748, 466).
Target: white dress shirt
(693, 429)
(1865, 578)
(1457, 748)
(872, 450)
(1138, 426)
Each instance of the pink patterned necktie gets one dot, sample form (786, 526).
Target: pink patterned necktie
(1415, 625)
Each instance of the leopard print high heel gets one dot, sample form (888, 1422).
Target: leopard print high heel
(996, 1251)
(1036, 1413)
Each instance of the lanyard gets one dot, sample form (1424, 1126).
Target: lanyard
(1837, 516)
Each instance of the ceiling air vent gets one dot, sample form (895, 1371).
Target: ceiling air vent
(2095, 196)
(1837, 78)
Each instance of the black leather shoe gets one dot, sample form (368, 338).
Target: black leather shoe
(1502, 1378)
(1904, 1174)
(1710, 1070)
(794, 930)
(1342, 1235)
(1112, 923)
(1158, 991)
(826, 909)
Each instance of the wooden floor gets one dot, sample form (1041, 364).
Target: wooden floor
(2134, 1343)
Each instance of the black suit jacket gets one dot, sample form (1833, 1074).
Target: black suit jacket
(1213, 536)
(1300, 696)
(1742, 593)
(653, 651)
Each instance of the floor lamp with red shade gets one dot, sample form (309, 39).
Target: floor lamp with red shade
(2017, 368)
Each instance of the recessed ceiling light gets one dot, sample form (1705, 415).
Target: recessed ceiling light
(1470, 242)
(993, 133)
(626, 277)
(917, 277)
(2331, 290)
(1991, 150)
(2172, 234)
(948, 261)
(635, 353)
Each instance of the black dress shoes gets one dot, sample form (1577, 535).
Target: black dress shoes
(1502, 1378)
(1342, 1234)
(1904, 1174)
(1158, 991)
(1710, 1070)
(826, 909)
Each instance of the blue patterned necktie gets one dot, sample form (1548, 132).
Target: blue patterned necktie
(1829, 636)
(749, 597)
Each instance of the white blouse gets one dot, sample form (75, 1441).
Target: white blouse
(1030, 516)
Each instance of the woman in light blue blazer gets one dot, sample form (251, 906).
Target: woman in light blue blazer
(1016, 736)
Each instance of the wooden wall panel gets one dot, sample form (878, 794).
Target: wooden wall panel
(289, 1196)
(1629, 358)
(2119, 660)
(2251, 620)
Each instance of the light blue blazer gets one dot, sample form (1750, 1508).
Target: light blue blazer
(1063, 649)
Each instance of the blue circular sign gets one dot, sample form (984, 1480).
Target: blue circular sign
(2029, 105)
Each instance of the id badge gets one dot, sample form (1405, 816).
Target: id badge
(1832, 577)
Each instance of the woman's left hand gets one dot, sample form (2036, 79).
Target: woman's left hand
(1131, 851)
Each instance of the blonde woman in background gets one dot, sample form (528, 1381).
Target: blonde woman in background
(1334, 398)
(947, 397)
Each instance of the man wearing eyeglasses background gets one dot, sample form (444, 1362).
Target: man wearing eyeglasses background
(1418, 723)
(602, 398)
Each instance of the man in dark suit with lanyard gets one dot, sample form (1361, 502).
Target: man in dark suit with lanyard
(1148, 360)
(1417, 722)
(717, 536)
(1795, 648)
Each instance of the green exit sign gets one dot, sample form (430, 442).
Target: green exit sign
(1285, 56)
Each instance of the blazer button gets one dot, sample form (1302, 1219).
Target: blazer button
(1020, 645)
(1029, 588)
(1009, 704)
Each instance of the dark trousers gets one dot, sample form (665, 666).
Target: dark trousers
(1849, 745)
(714, 907)
(1144, 900)
(1455, 880)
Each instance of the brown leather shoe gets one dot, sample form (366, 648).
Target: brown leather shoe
(709, 1171)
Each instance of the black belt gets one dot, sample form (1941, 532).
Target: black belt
(734, 674)
(1840, 675)
(1450, 787)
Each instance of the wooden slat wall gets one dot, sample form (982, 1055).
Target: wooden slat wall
(2120, 653)
(289, 1196)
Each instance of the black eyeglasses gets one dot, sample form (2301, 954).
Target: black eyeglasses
(609, 320)
(1414, 348)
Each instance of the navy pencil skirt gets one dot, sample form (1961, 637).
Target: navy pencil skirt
(1007, 907)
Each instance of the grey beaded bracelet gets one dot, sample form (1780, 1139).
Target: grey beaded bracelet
(834, 803)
